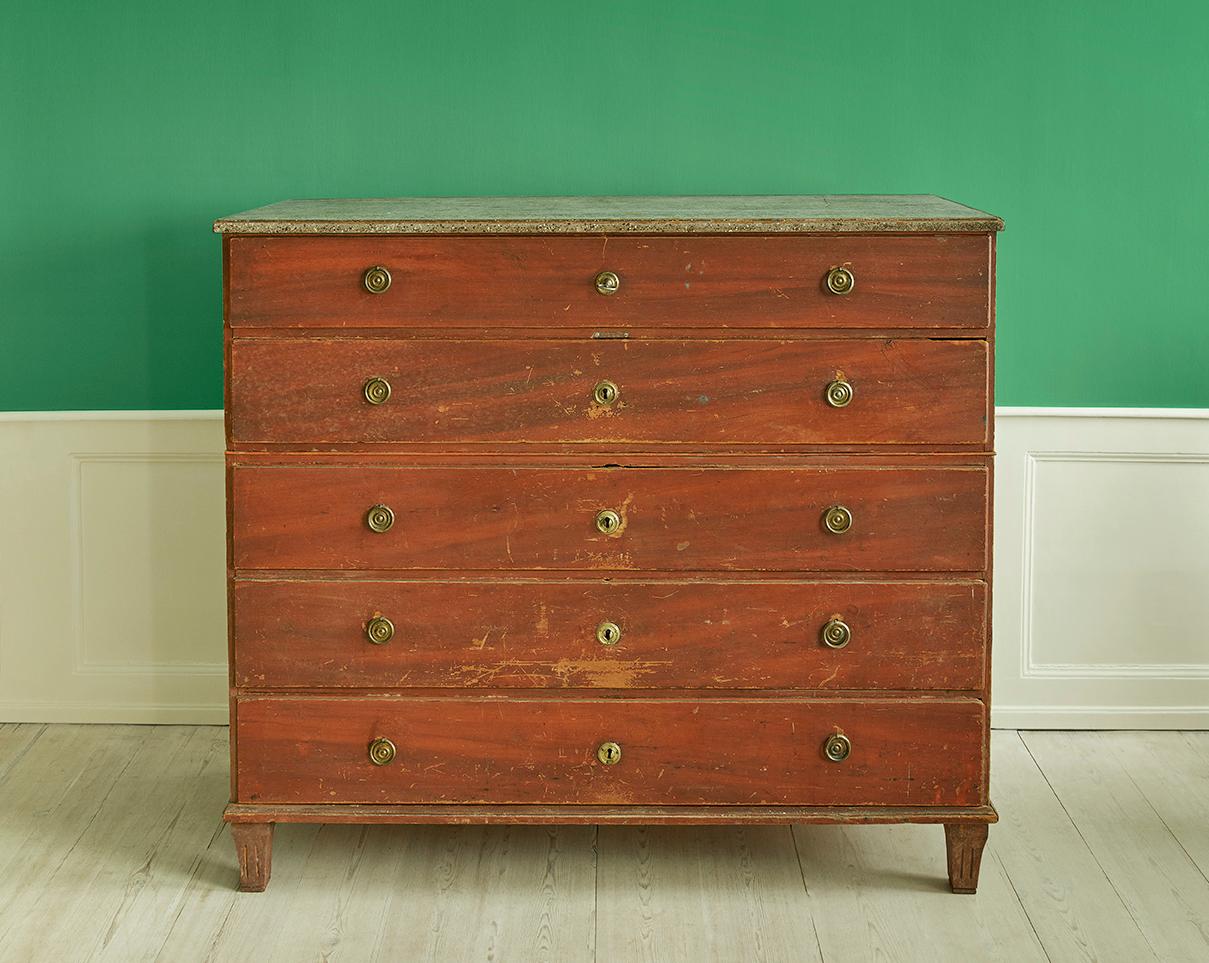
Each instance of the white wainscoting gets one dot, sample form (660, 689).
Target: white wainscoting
(1101, 610)
(112, 603)
(112, 567)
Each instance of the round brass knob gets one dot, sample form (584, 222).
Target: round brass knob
(839, 393)
(608, 633)
(607, 282)
(609, 753)
(608, 521)
(380, 518)
(837, 519)
(840, 280)
(377, 280)
(381, 751)
(837, 747)
(376, 390)
(380, 629)
(836, 634)
(605, 393)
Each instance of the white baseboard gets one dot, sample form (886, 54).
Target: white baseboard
(112, 602)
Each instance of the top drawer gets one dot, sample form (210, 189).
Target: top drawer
(744, 282)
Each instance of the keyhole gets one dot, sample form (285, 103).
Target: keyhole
(608, 633)
(608, 521)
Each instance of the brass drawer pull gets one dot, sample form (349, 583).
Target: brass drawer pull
(837, 747)
(605, 393)
(839, 394)
(607, 282)
(837, 519)
(609, 753)
(836, 634)
(376, 390)
(608, 521)
(379, 518)
(376, 279)
(380, 630)
(381, 751)
(840, 280)
(608, 633)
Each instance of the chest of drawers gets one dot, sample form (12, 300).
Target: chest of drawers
(662, 510)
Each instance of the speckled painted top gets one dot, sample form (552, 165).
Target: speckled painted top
(789, 214)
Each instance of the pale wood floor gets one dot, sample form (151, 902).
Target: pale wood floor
(111, 848)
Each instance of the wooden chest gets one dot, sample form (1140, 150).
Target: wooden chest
(666, 510)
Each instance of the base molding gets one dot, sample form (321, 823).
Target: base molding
(457, 814)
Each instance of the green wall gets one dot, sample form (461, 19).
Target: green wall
(126, 127)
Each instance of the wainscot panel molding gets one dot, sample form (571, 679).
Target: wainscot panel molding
(112, 604)
(112, 568)
(1101, 609)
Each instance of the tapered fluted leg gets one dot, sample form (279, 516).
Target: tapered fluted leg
(254, 850)
(964, 842)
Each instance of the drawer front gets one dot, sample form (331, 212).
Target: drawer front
(657, 519)
(623, 635)
(314, 392)
(672, 752)
(918, 281)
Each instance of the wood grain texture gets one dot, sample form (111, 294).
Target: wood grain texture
(1072, 905)
(810, 213)
(751, 752)
(352, 894)
(964, 843)
(308, 392)
(71, 887)
(108, 823)
(882, 895)
(656, 881)
(1161, 886)
(1177, 790)
(452, 814)
(501, 634)
(939, 281)
(254, 852)
(905, 519)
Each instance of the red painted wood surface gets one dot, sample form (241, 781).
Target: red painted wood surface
(736, 519)
(577, 814)
(674, 634)
(918, 281)
(309, 392)
(920, 752)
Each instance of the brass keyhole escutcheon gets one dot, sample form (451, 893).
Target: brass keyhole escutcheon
(380, 630)
(840, 280)
(839, 394)
(608, 633)
(379, 518)
(837, 519)
(837, 747)
(607, 282)
(608, 521)
(381, 751)
(376, 390)
(609, 753)
(605, 393)
(376, 279)
(836, 633)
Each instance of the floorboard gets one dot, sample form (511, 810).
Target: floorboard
(1072, 905)
(671, 893)
(881, 893)
(112, 848)
(1159, 884)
